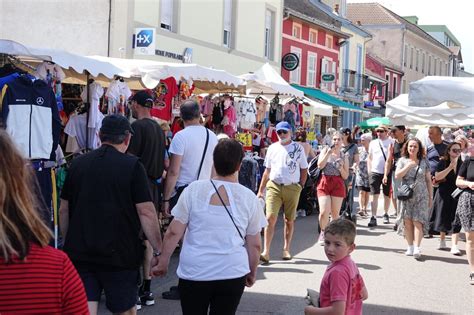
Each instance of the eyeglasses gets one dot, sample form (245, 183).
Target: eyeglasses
(381, 131)
(282, 132)
(456, 150)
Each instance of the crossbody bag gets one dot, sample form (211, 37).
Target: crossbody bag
(405, 191)
(228, 212)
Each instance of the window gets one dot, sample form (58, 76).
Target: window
(404, 86)
(394, 87)
(417, 60)
(411, 58)
(296, 30)
(295, 75)
(447, 69)
(429, 65)
(313, 37)
(227, 22)
(311, 70)
(329, 41)
(269, 34)
(423, 64)
(167, 12)
(405, 56)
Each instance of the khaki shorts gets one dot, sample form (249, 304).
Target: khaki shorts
(280, 195)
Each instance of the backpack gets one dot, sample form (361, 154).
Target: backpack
(314, 172)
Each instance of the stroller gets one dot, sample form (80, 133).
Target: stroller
(347, 206)
(308, 199)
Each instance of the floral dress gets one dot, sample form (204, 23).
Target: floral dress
(362, 175)
(415, 208)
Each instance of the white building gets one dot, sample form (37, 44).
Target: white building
(233, 35)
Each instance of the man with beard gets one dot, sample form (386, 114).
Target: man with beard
(148, 144)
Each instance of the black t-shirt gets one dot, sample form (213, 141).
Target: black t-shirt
(397, 152)
(449, 184)
(102, 188)
(148, 143)
(466, 170)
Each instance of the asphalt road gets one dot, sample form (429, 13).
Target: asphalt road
(397, 284)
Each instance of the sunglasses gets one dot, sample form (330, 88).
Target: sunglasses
(456, 150)
(381, 131)
(282, 132)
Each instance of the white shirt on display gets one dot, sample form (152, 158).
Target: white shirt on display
(212, 247)
(189, 143)
(285, 162)
(378, 159)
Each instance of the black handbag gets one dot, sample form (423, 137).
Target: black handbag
(405, 191)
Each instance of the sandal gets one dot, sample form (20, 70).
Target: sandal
(286, 255)
(265, 258)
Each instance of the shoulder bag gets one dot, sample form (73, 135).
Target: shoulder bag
(230, 216)
(405, 191)
(179, 190)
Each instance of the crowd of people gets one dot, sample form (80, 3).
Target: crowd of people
(115, 198)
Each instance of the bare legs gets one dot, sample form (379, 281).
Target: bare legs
(470, 249)
(413, 232)
(363, 200)
(328, 204)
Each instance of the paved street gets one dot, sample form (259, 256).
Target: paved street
(438, 284)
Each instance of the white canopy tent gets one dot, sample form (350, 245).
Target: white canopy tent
(318, 108)
(434, 90)
(447, 114)
(139, 74)
(267, 81)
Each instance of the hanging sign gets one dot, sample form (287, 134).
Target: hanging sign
(144, 41)
(290, 61)
(328, 77)
(244, 138)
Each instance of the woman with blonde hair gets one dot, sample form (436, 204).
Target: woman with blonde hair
(34, 278)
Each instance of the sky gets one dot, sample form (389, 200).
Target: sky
(457, 15)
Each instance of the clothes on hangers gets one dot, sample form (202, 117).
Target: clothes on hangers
(248, 173)
(76, 128)
(118, 94)
(246, 113)
(30, 115)
(163, 96)
(207, 105)
(230, 121)
(95, 116)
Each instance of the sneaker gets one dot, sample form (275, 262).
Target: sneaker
(147, 298)
(471, 278)
(442, 244)
(386, 219)
(139, 303)
(417, 253)
(321, 238)
(455, 250)
(409, 251)
(373, 222)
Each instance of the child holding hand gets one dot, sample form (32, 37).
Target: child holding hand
(342, 287)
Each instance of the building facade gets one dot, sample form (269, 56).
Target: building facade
(237, 36)
(400, 42)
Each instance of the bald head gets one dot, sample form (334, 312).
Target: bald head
(189, 110)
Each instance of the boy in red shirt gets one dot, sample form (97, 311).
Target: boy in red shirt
(342, 287)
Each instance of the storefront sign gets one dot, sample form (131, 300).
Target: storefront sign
(328, 77)
(244, 138)
(186, 57)
(369, 104)
(290, 61)
(144, 41)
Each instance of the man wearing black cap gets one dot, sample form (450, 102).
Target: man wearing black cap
(105, 203)
(148, 144)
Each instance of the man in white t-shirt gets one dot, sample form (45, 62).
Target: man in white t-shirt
(378, 152)
(283, 179)
(186, 153)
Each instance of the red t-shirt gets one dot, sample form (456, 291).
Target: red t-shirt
(163, 94)
(342, 282)
(45, 282)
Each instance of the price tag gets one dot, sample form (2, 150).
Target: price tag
(244, 138)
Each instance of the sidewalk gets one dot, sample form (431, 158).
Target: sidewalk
(397, 284)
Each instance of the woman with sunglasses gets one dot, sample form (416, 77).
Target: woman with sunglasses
(444, 206)
(334, 165)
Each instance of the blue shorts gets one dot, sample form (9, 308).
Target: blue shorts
(120, 287)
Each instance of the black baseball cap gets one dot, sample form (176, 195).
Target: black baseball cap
(143, 98)
(116, 125)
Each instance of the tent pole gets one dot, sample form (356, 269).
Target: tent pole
(88, 107)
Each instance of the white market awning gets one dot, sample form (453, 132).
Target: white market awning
(267, 81)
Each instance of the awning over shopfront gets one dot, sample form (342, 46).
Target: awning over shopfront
(324, 97)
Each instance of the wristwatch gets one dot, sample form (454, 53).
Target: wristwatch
(156, 253)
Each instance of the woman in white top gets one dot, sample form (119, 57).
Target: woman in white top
(221, 230)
